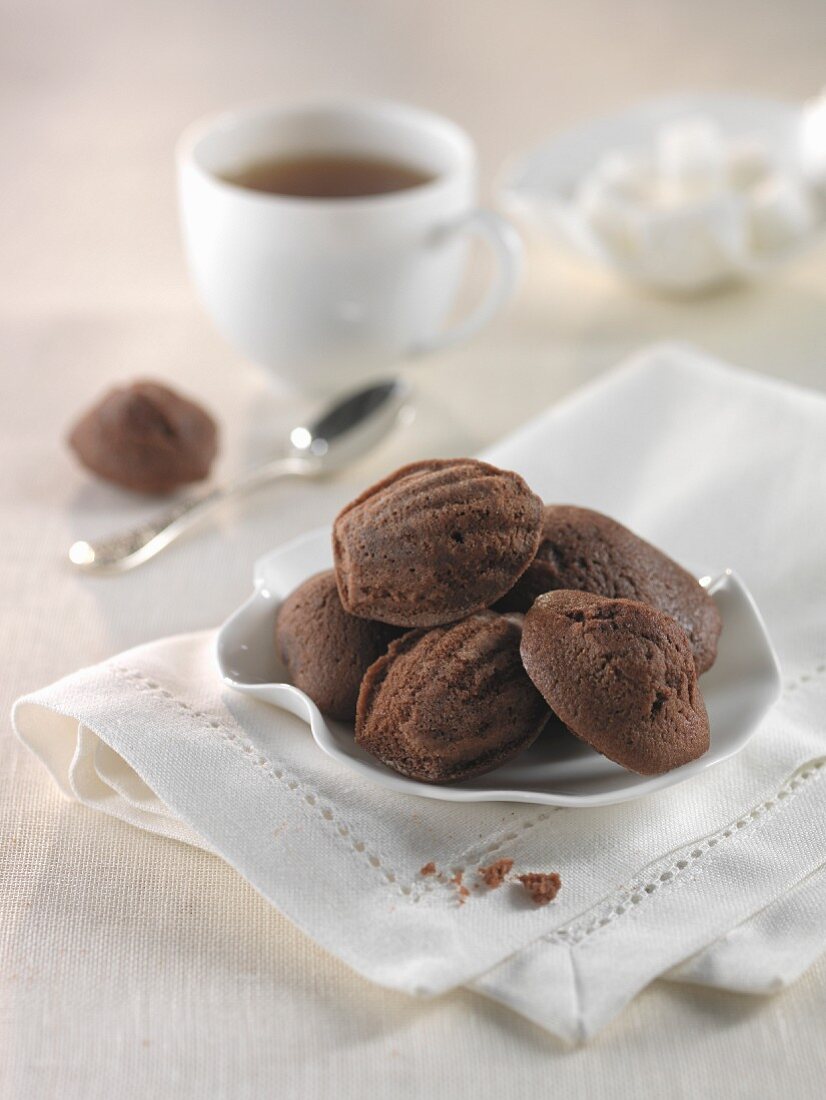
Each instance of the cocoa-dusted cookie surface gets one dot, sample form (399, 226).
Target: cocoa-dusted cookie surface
(147, 438)
(591, 552)
(449, 703)
(326, 650)
(435, 541)
(620, 675)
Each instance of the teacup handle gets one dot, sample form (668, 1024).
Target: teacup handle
(506, 244)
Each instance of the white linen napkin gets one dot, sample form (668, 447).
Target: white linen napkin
(715, 880)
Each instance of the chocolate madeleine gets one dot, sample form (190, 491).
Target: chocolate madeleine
(590, 552)
(620, 675)
(147, 438)
(326, 650)
(435, 542)
(449, 703)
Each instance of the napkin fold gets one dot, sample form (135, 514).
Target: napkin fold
(718, 880)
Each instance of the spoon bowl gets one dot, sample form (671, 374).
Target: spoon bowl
(352, 425)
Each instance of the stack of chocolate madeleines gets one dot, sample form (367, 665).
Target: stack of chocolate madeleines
(463, 619)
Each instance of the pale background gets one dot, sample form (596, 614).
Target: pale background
(108, 935)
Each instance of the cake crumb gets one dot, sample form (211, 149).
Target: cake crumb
(461, 889)
(428, 869)
(494, 874)
(542, 888)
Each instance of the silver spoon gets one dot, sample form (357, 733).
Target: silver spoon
(348, 428)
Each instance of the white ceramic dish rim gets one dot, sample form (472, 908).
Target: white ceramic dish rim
(288, 697)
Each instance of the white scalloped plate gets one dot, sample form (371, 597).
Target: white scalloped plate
(556, 771)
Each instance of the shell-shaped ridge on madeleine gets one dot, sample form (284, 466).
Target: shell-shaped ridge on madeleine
(451, 702)
(435, 542)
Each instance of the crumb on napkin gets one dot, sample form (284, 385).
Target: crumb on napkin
(494, 874)
(541, 887)
(463, 890)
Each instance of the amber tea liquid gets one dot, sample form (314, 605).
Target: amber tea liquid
(327, 176)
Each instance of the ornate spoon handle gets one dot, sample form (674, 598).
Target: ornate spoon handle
(119, 553)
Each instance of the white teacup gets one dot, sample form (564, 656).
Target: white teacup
(325, 291)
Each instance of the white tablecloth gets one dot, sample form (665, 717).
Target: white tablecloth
(107, 934)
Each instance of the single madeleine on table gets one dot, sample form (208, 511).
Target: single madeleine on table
(147, 438)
